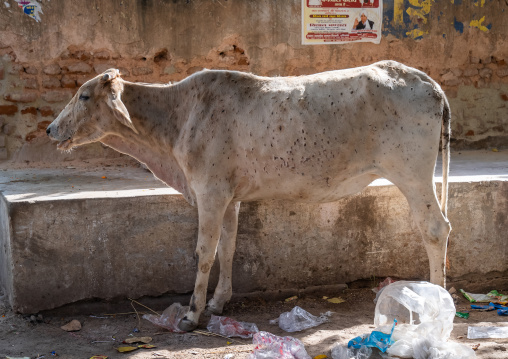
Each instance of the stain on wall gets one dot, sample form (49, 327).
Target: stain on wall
(461, 44)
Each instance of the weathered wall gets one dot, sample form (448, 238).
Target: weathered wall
(461, 44)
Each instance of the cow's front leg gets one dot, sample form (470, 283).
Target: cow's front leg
(210, 213)
(226, 251)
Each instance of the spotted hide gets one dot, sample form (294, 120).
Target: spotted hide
(222, 137)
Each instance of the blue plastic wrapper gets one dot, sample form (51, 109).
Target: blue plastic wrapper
(376, 339)
(503, 311)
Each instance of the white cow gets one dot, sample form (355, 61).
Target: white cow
(222, 137)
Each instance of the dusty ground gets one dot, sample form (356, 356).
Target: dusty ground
(101, 334)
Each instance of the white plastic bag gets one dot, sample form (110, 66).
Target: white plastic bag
(299, 319)
(487, 332)
(270, 346)
(229, 327)
(170, 318)
(425, 314)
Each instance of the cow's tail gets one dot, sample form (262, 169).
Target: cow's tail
(445, 153)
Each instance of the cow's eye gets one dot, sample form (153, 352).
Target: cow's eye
(84, 97)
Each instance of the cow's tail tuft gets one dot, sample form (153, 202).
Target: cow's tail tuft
(445, 153)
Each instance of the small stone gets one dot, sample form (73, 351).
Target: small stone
(102, 55)
(452, 290)
(51, 83)
(68, 82)
(72, 326)
(485, 73)
(30, 83)
(474, 60)
(471, 71)
(53, 69)
(502, 72)
(100, 68)
(32, 70)
(80, 68)
(56, 96)
(138, 71)
(21, 97)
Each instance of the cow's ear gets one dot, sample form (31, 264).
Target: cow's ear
(114, 85)
(120, 111)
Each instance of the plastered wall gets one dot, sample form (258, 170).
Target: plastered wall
(43, 60)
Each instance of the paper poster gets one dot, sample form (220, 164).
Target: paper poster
(341, 21)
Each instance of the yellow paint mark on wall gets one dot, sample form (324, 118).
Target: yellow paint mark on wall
(481, 3)
(398, 12)
(416, 33)
(478, 24)
(424, 10)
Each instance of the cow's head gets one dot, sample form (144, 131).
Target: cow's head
(94, 112)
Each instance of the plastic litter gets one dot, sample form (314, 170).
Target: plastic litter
(381, 286)
(170, 318)
(270, 346)
(231, 328)
(376, 339)
(491, 297)
(342, 352)
(462, 315)
(299, 319)
(487, 332)
(425, 314)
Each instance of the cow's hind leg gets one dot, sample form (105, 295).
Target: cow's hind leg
(226, 251)
(211, 211)
(433, 225)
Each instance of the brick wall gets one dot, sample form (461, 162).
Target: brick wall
(462, 45)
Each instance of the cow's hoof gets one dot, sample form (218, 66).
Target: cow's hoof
(187, 325)
(209, 311)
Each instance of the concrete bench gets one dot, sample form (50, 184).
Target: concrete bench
(68, 234)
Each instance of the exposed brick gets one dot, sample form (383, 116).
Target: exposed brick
(21, 97)
(43, 125)
(32, 135)
(56, 96)
(8, 110)
(15, 69)
(502, 72)
(474, 60)
(81, 80)
(32, 70)
(68, 82)
(456, 72)
(470, 133)
(470, 71)
(138, 71)
(81, 55)
(102, 55)
(100, 68)
(51, 83)
(487, 60)
(79, 68)
(46, 111)
(3, 154)
(2, 140)
(30, 110)
(30, 83)
(485, 73)
(9, 129)
(52, 69)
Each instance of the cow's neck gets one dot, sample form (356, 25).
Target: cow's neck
(158, 122)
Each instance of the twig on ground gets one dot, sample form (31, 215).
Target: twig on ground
(144, 306)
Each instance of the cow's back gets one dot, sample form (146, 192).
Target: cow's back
(319, 130)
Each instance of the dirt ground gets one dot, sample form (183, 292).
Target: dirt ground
(102, 333)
